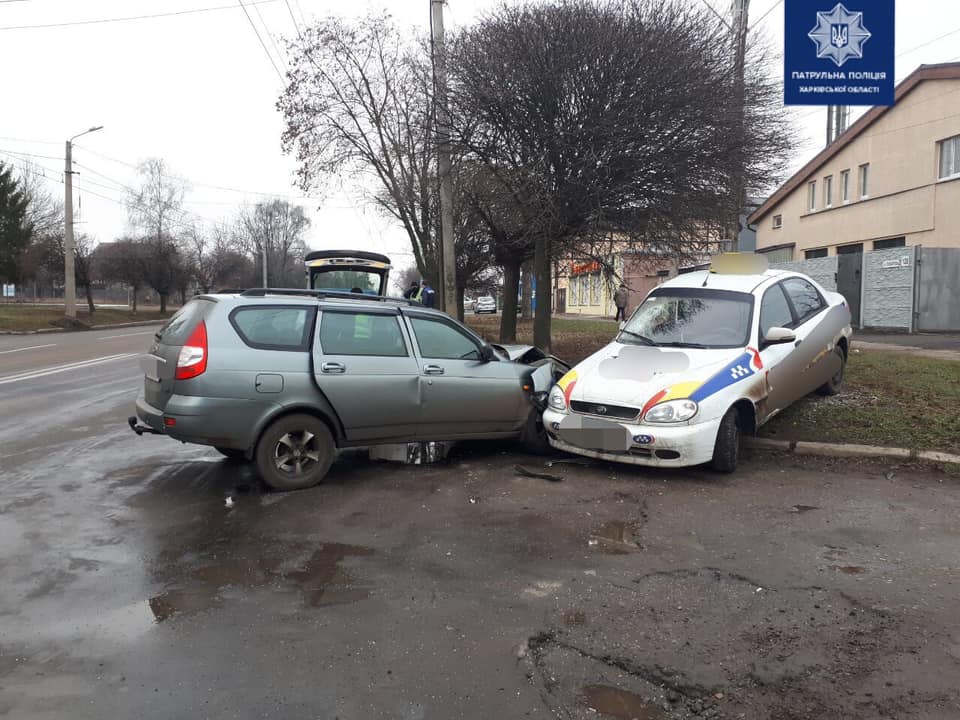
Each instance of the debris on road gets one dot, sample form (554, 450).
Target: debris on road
(540, 475)
(229, 503)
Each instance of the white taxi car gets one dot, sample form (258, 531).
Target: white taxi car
(707, 356)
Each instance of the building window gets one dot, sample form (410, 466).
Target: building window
(865, 180)
(845, 186)
(812, 196)
(828, 191)
(777, 222)
(595, 289)
(574, 299)
(950, 157)
(850, 249)
(889, 243)
(811, 254)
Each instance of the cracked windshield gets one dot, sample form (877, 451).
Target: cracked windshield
(436, 359)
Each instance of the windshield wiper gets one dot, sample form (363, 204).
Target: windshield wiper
(700, 346)
(643, 338)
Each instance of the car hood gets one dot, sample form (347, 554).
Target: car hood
(635, 375)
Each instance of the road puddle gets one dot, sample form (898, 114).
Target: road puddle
(850, 569)
(320, 579)
(623, 704)
(615, 537)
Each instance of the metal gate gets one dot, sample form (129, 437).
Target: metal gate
(938, 289)
(849, 268)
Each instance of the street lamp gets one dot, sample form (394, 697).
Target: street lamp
(69, 280)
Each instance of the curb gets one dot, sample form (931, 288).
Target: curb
(802, 447)
(44, 331)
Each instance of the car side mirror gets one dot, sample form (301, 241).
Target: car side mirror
(779, 336)
(486, 353)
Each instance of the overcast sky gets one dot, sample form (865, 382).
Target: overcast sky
(198, 90)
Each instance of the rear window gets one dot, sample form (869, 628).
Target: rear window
(184, 320)
(272, 327)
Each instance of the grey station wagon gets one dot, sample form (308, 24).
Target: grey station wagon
(287, 377)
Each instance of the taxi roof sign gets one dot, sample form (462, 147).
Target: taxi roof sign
(736, 263)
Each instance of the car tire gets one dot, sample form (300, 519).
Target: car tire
(232, 453)
(726, 450)
(533, 437)
(835, 384)
(295, 452)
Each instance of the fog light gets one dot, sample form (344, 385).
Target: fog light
(169, 422)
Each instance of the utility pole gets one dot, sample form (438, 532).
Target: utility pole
(739, 28)
(264, 249)
(448, 261)
(837, 118)
(69, 278)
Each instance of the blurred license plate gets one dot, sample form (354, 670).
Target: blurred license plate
(150, 364)
(595, 434)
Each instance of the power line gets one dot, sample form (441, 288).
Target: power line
(31, 155)
(273, 41)
(262, 43)
(99, 21)
(764, 16)
(203, 184)
(32, 142)
(296, 25)
(929, 42)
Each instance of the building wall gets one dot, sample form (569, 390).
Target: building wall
(904, 194)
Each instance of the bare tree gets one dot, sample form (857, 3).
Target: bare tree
(52, 253)
(359, 100)
(277, 227)
(156, 207)
(122, 262)
(610, 117)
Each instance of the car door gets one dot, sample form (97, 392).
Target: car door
(781, 362)
(809, 307)
(364, 365)
(460, 394)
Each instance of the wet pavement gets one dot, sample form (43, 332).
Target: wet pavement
(797, 588)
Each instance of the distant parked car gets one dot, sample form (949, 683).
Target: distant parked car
(468, 303)
(706, 357)
(485, 304)
(288, 377)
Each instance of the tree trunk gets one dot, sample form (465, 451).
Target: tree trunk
(135, 290)
(90, 299)
(526, 307)
(541, 268)
(183, 297)
(508, 316)
(163, 302)
(460, 303)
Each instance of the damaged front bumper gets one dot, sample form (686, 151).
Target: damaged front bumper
(634, 444)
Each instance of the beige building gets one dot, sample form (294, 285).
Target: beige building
(890, 180)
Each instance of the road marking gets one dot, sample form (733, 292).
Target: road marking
(64, 368)
(32, 347)
(112, 337)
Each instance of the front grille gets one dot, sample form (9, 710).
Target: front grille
(610, 411)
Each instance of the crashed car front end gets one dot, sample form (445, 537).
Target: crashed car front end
(670, 426)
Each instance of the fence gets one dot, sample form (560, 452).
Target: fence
(907, 288)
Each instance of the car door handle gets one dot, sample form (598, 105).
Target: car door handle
(433, 370)
(797, 343)
(333, 368)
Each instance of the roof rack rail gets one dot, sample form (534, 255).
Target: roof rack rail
(324, 294)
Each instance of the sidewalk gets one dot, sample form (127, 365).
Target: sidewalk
(944, 346)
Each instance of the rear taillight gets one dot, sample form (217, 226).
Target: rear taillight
(193, 355)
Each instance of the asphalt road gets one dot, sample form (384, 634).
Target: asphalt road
(797, 588)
